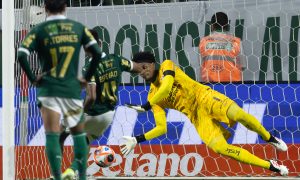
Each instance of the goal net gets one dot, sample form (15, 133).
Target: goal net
(270, 88)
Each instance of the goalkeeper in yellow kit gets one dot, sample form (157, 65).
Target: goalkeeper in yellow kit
(206, 108)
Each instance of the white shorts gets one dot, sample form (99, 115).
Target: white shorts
(96, 125)
(71, 110)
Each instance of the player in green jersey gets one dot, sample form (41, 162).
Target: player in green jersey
(101, 94)
(57, 42)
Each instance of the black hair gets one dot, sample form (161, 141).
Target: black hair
(220, 21)
(141, 57)
(95, 35)
(55, 6)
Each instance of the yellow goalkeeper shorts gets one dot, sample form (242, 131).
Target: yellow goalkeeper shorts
(212, 110)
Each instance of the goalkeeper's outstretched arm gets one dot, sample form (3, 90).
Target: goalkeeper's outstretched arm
(158, 130)
(163, 91)
(164, 88)
(166, 85)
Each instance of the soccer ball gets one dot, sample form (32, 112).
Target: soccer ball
(104, 156)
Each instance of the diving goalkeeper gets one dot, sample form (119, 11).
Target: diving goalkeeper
(206, 108)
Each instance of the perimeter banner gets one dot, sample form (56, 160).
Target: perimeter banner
(162, 160)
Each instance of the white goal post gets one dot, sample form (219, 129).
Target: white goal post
(8, 93)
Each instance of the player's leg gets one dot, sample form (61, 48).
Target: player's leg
(62, 138)
(212, 134)
(236, 113)
(80, 150)
(95, 126)
(51, 117)
(75, 122)
(220, 145)
(215, 110)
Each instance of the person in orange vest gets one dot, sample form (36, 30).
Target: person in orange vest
(220, 52)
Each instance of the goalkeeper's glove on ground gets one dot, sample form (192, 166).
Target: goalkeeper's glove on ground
(128, 145)
(140, 108)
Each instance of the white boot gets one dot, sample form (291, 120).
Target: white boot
(282, 169)
(278, 143)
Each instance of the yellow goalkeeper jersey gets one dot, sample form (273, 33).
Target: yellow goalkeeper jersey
(184, 94)
(198, 102)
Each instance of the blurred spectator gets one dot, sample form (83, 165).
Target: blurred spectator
(220, 52)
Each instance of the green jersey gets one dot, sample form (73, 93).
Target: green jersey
(107, 78)
(58, 42)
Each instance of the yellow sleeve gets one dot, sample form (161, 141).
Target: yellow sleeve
(160, 121)
(163, 90)
(168, 71)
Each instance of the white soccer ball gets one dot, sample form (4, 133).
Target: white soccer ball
(104, 156)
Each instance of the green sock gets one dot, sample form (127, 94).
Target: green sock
(81, 154)
(54, 154)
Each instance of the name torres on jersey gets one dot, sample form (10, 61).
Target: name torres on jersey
(56, 38)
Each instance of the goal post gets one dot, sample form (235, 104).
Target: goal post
(269, 31)
(8, 112)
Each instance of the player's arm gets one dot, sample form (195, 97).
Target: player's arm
(23, 60)
(28, 45)
(158, 130)
(92, 46)
(165, 87)
(201, 49)
(128, 65)
(162, 93)
(96, 56)
(135, 67)
(90, 88)
(90, 97)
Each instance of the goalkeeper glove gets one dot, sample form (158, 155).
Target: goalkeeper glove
(128, 145)
(140, 108)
